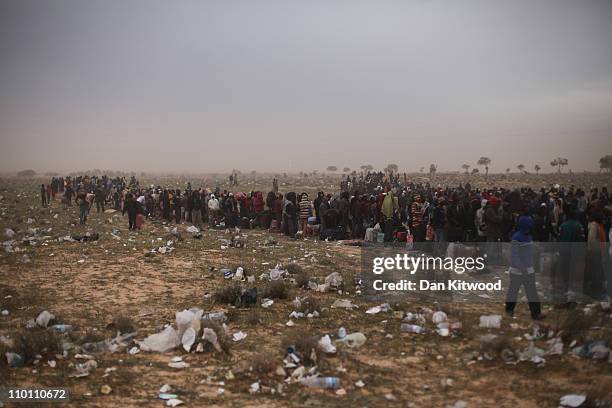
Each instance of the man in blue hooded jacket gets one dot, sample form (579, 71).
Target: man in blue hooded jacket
(522, 272)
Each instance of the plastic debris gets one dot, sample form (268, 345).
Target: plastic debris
(343, 304)
(173, 402)
(412, 328)
(44, 318)
(490, 321)
(163, 341)
(210, 336)
(354, 340)
(326, 345)
(572, 400)
(321, 382)
(239, 336)
(439, 317)
(189, 337)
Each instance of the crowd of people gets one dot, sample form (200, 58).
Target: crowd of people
(401, 209)
(391, 206)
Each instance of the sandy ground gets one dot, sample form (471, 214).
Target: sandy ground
(117, 278)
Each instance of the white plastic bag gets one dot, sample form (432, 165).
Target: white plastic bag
(161, 342)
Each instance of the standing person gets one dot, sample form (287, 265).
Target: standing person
(213, 210)
(43, 195)
(99, 198)
(289, 214)
(48, 190)
(166, 205)
(68, 193)
(522, 272)
(322, 209)
(479, 221)
(305, 211)
(258, 205)
(344, 209)
(438, 223)
(275, 185)
(196, 209)
(416, 219)
(596, 247)
(493, 220)
(390, 206)
(54, 188)
(316, 204)
(131, 206)
(571, 262)
(81, 200)
(177, 205)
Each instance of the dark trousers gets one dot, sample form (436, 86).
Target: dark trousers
(528, 281)
(132, 220)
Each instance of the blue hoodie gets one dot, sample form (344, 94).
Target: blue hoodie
(521, 259)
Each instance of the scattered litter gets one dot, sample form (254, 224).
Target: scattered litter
(343, 304)
(173, 402)
(490, 321)
(44, 318)
(572, 400)
(239, 336)
(354, 340)
(326, 345)
(163, 341)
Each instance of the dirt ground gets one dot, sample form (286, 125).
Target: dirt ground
(89, 284)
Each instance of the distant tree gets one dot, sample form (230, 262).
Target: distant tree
(466, 168)
(346, 170)
(484, 161)
(432, 168)
(332, 168)
(392, 168)
(26, 173)
(605, 163)
(521, 168)
(367, 167)
(537, 168)
(508, 170)
(475, 171)
(422, 169)
(559, 163)
(51, 174)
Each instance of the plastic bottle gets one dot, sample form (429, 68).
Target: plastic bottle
(215, 316)
(412, 328)
(62, 328)
(341, 333)
(321, 382)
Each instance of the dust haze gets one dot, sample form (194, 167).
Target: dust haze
(207, 86)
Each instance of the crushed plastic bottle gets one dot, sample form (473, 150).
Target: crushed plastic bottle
(412, 328)
(62, 328)
(215, 316)
(321, 382)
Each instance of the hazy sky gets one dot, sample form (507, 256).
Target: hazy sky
(293, 85)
